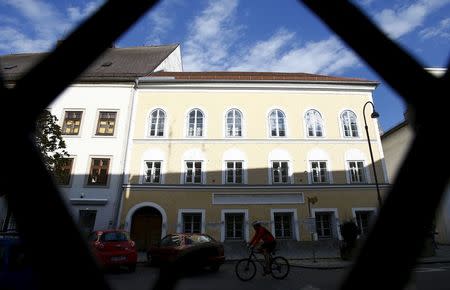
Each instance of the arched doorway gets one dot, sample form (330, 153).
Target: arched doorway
(146, 226)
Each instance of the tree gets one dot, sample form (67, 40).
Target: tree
(49, 141)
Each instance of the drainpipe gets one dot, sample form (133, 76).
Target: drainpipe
(123, 181)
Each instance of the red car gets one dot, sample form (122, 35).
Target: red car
(113, 248)
(195, 250)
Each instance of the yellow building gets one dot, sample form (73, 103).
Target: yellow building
(213, 151)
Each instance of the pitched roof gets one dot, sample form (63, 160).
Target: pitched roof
(114, 64)
(257, 76)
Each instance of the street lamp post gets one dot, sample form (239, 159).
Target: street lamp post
(374, 115)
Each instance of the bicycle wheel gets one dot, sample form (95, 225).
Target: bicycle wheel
(280, 267)
(245, 269)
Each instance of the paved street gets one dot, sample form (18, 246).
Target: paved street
(430, 277)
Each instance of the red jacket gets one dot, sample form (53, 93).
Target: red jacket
(262, 234)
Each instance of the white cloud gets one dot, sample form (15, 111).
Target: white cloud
(210, 37)
(442, 30)
(404, 19)
(45, 24)
(77, 13)
(45, 19)
(325, 56)
(160, 23)
(12, 41)
(213, 40)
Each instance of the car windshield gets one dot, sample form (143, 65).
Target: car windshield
(114, 237)
(198, 239)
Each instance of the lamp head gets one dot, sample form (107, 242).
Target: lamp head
(374, 115)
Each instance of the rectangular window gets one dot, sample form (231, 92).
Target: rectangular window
(192, 222)
(323, 225)
(319, 171)
(280, 172)
(152, 172)
(72, 122)
(234, 173)
(86, 221)
(98, 175)
(106, 123)
(356, 169)
(283, 225)
(193, 172)
(234, 226)
(363, 220)
(63, 171)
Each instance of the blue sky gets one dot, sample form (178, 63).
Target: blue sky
(245, 35)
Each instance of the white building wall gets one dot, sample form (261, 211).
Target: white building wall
(172, 62)
(92, 98)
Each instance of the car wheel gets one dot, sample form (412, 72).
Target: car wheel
(132, 268)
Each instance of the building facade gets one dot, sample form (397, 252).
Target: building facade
(211, 152)
(94, 115)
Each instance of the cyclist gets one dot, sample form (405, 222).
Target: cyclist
(268, 243)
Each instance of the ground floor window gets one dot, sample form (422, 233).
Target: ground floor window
(283, 225)
(86, 220)
(192, 222)
(234, 226)
(324, 225)
(363, 218)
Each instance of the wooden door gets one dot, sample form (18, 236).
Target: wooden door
(146, 227)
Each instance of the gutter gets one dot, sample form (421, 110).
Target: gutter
(118, 204)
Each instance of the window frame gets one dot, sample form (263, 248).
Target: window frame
(342, 124)
(63, 123)
(364, 209)
(288, 173)
(185, 174)
(144, 175)
(90, 164)
(334, 213)
(322, 124)
(277, 126)
(150, 120)
(224, 230)
(294, 222)
(187, 124)
(327, 172)
(234, 111)
(69, 184)
(180, 222)
(225, 174)
(364, 172)
(98, 115)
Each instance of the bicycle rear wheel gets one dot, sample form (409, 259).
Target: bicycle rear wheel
(280, 267)
(245, 269)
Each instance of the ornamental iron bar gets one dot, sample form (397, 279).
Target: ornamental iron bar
(69, 264)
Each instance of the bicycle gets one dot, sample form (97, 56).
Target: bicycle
(246, 268)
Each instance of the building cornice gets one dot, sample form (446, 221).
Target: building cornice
(260, 188)
(234, 85)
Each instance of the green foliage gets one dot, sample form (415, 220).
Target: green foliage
(49, 141)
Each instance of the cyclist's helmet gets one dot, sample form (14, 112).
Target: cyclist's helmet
(256, 223)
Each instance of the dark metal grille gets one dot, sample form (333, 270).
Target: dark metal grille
(69, 265)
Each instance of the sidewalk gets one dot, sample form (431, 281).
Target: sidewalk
(326, 257)
(442, 256)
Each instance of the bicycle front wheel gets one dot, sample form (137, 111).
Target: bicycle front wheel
(245, 269)
(280, 267)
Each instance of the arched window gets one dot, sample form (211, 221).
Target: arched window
(195, 123)
(277, 123)
(234, 123)
(157, 119)
(314, 123)
(349, 127)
